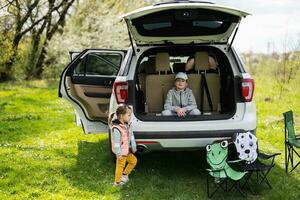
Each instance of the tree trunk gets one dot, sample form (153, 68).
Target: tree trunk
(30, 69)
(40, 61)
(7, 74)
(50, 31)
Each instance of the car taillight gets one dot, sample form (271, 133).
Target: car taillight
(121, 91)
(247, 89)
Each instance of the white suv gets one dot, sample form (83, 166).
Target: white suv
(163, 37)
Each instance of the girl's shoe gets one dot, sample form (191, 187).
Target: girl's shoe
(120, 184)
(124, 178)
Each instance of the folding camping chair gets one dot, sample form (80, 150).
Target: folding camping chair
(292, 141)
(253, 160)
(221, 173)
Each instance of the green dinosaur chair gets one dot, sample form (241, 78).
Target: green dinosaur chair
(292, 141)
(220, 171)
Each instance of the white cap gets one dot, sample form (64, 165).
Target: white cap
(181, 75)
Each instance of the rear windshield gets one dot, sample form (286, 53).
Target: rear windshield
(184, 22)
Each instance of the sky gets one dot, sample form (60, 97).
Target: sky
(274, 25)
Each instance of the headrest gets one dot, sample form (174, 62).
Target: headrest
(201, 61)
(142, 66)
(162, 62)
(178, 67)
(148, 66)
(213, 63)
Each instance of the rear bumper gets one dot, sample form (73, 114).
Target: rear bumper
(185, 134)
(182, 140)
(194, 134)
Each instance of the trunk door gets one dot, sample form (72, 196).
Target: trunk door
(183, 23)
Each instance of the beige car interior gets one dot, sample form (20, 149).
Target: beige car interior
(156, 81)
(97, 108)
(213, 83)
(157, 85)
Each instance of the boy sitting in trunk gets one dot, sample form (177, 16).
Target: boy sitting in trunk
(180, 100)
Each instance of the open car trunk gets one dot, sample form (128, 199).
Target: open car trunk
(183, 23)
(155, 77)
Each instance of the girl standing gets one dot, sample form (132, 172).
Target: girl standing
(123, 144)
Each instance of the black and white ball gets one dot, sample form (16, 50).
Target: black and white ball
(246, 146)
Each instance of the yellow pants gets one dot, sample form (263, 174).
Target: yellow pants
(121, 163)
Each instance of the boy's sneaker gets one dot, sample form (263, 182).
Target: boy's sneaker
(120, 184)
(124, 178)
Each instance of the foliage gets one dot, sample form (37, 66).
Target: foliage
(32, 18)
(282, 67)
(5, 50)
(94, 24)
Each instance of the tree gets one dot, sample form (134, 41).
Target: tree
(94, 24)
(35, 18)
(55, 22)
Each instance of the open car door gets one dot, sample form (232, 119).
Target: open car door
(87, 84)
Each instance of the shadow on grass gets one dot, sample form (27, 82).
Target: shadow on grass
(94, 169)
(161, 175)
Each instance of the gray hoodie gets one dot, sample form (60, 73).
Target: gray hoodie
(180, 99)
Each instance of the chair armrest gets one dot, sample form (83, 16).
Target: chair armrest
(215, 170)
(267, 156)
(234, 161)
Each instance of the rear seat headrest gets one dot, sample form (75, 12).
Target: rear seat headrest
(148, 66)
(201, 61)
(162, 62)
(143, 66)
(213, 62)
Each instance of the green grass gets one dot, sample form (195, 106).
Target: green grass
(43, 155)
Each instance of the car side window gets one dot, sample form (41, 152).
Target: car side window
(80, 68)
(102, 64)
